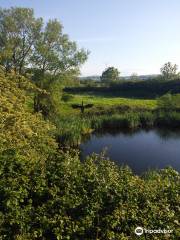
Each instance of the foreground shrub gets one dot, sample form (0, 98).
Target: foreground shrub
(21, 130)
(91, 200)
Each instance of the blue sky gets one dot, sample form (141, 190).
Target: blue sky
(136, 36)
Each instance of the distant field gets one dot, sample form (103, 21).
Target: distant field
(102, 101)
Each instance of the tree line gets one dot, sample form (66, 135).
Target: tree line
(112, 74)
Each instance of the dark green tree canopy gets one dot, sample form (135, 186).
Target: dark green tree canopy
(111, 74)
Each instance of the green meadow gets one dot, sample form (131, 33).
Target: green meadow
(105, 102)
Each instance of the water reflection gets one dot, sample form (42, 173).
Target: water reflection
(141, 149)
(166, 134)
(161, 132)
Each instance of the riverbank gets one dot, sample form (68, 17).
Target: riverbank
(71, 131)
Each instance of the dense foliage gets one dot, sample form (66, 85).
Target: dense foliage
(95, 200)
(90, 200)
(20, 130)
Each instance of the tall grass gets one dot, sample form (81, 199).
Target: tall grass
(169, 119)
(72, 130)
(116, 121)
(129, 120)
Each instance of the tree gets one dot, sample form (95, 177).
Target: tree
(56, 59)
(134, 77)
(27, 45)
(24, 41)
(18, 31)
(169, 71)
(55, 53)
(110, 75)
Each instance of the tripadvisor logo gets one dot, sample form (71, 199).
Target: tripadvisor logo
(139, 231)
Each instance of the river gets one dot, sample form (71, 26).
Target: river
(141, 150)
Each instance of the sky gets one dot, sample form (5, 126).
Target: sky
(135, 36)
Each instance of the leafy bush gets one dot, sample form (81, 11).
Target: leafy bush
(91, 200)
(26, 133)
(169, 102)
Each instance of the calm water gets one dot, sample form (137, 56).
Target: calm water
(141, 150)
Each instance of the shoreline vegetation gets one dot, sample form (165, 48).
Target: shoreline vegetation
(71, 132)
(48, 193)
(152, 114)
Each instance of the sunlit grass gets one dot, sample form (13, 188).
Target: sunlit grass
(101, 101)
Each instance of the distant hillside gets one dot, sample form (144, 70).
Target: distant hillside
(94, 78)
(142, 77)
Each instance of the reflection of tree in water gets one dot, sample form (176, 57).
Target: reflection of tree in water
(115, 132)
(166, 134)
(162, 133)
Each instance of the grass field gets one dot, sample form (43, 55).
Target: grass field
(105, 102)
